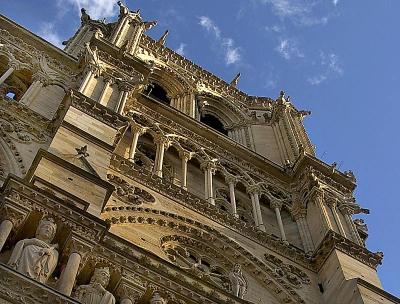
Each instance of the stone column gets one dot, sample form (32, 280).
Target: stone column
(209, 168)
(347, 213)
(68, 276)
(277, 206)
(317, 196)
(5, 229)
(6, 74)
(12, 216)
(85, 82)
(123, 97)
(231, 181)
(107, 83)
(333, 205)
(185, 156)
(162, 143)
(136, 130)
(254, 192)
(299, 216)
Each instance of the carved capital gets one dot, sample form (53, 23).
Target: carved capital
(253, 189)
(299, 213)
(127, 291)
(160, 139)
(137, 128)
(316, 195)
(186, 155)
(230, 179)
(276, 204)
(78, 245)
(208, 165)
(14, 214)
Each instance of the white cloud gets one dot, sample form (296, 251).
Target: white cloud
(274, 28)
(97, 9)
(288, 49)
(316, 80)
(232, 52)
(210, 26)
(331, 68)
(335, 2)
(48, 33)
(331, 61)
(299, 11)
(181, 49)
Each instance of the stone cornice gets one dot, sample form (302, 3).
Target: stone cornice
(334, 241)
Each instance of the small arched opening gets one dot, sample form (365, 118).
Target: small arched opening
(157, 92)
(214, 123)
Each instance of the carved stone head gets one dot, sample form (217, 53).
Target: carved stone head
(46, 230)
(157, 299)
(101, 276)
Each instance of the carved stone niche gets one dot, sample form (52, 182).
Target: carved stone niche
(93, 267)
(28, 230)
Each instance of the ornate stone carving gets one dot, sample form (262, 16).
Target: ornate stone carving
(292, 274)
(37, 257)
(128, 193)
(95, 292)
(156, 298)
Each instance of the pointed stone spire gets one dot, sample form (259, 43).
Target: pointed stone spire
(235, 80)
(163, 38)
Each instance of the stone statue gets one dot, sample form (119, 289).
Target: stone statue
(157, 299)
(123, 9)
(238, 281)
(85, 18)
(37, 257)
(95, 292)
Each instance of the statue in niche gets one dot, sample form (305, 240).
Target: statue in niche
(95, 292)
(157, 299)
(238, 281)
(37, 257)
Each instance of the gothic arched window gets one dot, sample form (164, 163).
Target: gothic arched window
(213, 122)
(157, 92)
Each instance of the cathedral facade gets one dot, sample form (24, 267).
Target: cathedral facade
(129, 174)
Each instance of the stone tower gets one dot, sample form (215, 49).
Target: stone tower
(131, 175)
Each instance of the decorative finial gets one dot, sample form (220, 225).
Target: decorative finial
(282, 94)
(82, 152)
(163, 38)
(235, 80)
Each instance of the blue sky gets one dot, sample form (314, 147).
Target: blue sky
(337, 58)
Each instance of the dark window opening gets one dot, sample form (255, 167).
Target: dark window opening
(157, 92)
(213, 122)
(321, 288)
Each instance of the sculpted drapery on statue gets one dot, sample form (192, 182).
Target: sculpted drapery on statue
(238, 281)
(37, 257)
(95, 292)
